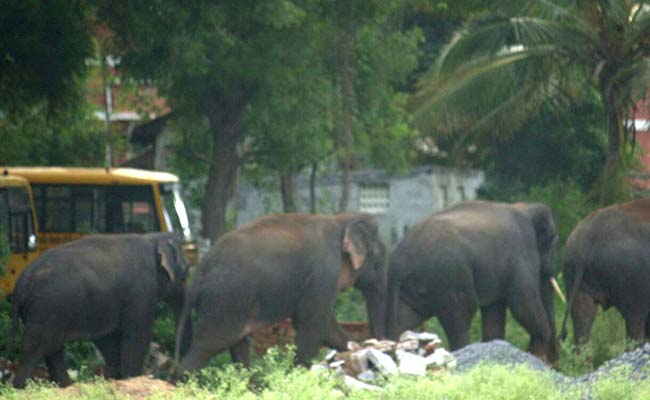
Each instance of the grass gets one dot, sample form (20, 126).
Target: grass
(274, 377)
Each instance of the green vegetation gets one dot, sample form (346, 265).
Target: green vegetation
(274, 378)
(525, 55)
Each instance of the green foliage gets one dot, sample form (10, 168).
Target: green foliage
(43, 49)
(164, 329)
(350, 306)
(503, 67)
(72, 137)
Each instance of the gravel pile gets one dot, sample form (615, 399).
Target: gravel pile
(635, 364)
(502, 353)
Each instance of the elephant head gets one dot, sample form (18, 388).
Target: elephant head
(171, 260)
(541, 218)
(172, 271)
(364, 266)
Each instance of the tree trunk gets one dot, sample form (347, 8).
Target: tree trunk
(287, 191)
(346, 141)
(613, 186)
(222, 179)
(312, 188)
(224, 111)
(108, 110)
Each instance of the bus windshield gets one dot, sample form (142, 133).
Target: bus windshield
(16, 219)
(174, 210)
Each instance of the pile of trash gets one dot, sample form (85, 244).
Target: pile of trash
(415, 353)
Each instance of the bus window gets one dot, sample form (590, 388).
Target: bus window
(174, 210)
(57, 217)
(95, 209)
(131, 209)
(16, 219)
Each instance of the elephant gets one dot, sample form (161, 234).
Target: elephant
(607, 263)
(477, 254)
(284, 266)
(102, 288)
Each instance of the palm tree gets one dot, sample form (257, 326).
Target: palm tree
(500, 67)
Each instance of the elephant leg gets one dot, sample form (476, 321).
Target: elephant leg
(37, 343)
(240, 352)
(56, 368)
(335, 336)
(136, 336)
(407, 318)
(456, 326)
(583, 313)
(110, 347)
(213, 334)
(493, 321)
(529, 312)
(647, 328)
(308, 340)
(312, 321)
(635, 325)
(26, 367)
(455, 310)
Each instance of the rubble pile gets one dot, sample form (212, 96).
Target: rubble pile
(415, 353)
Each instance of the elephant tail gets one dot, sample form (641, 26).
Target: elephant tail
(184, 328)
(13, 328)
(571, 300)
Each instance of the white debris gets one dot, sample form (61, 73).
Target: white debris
(357, 384)
(440, 358)
(367, 375)
(416, 353)
(359, 361)
(411, 364)
(383, 362)
(420, 336)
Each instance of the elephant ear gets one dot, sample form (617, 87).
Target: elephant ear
(354, 244)
(542, 219)
(166, 259)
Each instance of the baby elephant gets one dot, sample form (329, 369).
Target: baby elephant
(103, 288)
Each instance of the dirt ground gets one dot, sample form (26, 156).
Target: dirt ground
(135, 388)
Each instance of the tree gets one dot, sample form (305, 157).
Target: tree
(258, 76)
(43, 49)
(371, 58)
(500, 68)
(44, 46)
(209, 60)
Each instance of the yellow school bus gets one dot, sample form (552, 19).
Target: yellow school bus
(18, 227)
(71, 202)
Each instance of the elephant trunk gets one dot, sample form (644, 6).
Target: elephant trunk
(376, 306)
(572, 283)
(552, 348)
(373, 289)
(181, 304)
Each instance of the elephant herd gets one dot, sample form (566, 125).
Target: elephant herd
(473, 255)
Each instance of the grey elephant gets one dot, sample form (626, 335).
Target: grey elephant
(284, 266)
(477, 255)
(607, 263)
(103, 288)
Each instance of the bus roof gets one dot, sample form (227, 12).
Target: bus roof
(12, 181)
(97, 176)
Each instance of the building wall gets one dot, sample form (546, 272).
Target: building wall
(411, 197)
